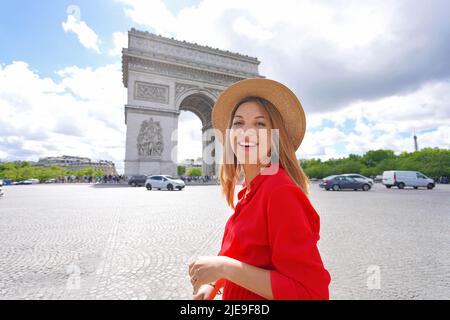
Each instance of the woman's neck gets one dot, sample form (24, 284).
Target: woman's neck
(250, 172)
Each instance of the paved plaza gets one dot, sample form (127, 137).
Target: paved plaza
(117, 242)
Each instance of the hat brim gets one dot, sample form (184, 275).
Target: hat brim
(278, 94)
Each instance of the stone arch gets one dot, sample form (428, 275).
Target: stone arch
(198, 101)
(164, 76)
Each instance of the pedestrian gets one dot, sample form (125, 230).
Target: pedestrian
(269, 247)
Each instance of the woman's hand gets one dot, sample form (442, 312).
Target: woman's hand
(206, 269)
(205, 292)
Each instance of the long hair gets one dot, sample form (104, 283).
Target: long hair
(230, 173)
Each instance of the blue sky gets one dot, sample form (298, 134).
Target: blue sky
(32, 31)
(363, 82)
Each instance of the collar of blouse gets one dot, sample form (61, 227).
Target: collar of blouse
(256, 182)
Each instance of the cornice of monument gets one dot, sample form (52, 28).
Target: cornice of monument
(149, 47)
(178, 71)
(208, 49)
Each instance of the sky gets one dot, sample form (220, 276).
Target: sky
(368, 73)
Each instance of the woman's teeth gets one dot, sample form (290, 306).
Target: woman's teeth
(247, 144)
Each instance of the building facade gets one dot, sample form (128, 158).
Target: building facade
(77, 163)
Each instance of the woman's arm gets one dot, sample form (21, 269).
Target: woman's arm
(293, 232)
(249, 277)
(219, 283)
(217, 269)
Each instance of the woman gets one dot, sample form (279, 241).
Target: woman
(269, 247)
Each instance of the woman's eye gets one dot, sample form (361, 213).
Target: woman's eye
(237, 123)
(261, 124)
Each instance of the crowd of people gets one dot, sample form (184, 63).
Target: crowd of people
(199, 179)
(442, 180)
(90, 179)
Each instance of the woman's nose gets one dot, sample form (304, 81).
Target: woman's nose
(249, 133)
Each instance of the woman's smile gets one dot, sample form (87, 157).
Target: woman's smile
(247, 146)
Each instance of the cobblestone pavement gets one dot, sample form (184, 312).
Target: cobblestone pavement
(116, 242)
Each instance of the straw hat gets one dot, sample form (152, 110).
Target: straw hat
(278, 94)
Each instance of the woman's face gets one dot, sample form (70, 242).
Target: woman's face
(250, 133)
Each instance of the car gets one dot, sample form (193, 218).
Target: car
(137, 180)
(342, 182)
(24, 182)
(31, 181)
(164, 182)
(378, 178)
(359, 176)
(53, 180)
(6, 182)
(402, 179)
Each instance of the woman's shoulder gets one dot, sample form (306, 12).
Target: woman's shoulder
(283, 192)
(279, 179)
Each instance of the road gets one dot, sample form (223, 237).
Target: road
(113, 242)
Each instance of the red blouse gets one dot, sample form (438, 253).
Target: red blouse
(276, 228)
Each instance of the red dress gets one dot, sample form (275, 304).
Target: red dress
(275, 227)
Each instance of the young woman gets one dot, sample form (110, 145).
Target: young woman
(269, 247)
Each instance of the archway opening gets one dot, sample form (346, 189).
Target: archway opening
(193, 122)
(189, 146)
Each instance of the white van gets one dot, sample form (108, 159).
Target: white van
(402, 179)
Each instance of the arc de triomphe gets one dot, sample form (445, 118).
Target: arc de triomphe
(164, 76)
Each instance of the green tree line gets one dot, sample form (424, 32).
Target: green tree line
(183, 171)
(431, 162)
(18, 171)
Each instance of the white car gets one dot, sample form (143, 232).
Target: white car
(360, 177)
(402, 179)
(31, 181)
(164, 182)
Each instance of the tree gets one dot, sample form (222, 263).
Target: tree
(181, 170)
(18, 171)
(372, 158)
(194, 172)
(431, 162)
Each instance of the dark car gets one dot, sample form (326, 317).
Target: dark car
(339, 182)
(137, 180)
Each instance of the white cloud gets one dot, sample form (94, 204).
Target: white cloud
(120, 40)
(387, 123)
(144, 11)
(82, 114)
(244, 27)
(320, 144)
(87, 37)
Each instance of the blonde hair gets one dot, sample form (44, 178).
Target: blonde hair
(230, 173)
